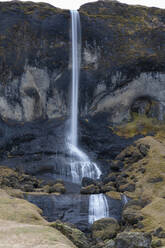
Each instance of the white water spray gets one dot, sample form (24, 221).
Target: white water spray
(98, 207)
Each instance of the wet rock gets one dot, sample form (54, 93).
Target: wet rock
(86, 181)
(72, 233)
(69, 208)
(132, 240)
(105, 228)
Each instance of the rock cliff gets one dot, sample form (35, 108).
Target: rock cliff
(122, 61)
(121, 99)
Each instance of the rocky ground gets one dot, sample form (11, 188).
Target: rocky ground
(136, 178)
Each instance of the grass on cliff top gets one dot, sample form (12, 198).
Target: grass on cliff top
(28, 7)
(125, 15)
(141, 125)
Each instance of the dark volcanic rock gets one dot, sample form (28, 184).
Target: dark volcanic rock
(122, 53)
(71, 208)
(86, 181)
(122, 58)
(132, 240)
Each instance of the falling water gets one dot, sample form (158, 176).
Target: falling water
(75, 73)
(124, 199)
(98, 207)
(81, 166)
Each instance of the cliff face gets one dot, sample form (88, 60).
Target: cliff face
(122, 73)
(34, 58)
(122, 78)
(123, 59)
(122, 68)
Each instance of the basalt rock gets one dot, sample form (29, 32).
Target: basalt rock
(124, 60)
(117, 62)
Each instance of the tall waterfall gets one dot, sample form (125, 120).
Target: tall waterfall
(98, 207)
(76, 54)
(81, 166)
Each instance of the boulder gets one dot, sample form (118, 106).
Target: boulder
(109, 244)
(55, 188)
(72, 233)
(116, 165)
(132, 215)
(105, 228)
(86, 181)
(133, 240)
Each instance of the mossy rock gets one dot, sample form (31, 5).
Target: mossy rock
(132, 215)
(132, 240)
(114, 195)
(55, 188)
(91, 189)
(17, 180)
(105, 228)
(72, 233)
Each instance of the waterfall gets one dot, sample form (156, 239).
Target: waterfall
(76, 54)
(98, 207)
(124, 199)
(80, 164)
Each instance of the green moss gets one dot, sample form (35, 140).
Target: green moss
(140, 124)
